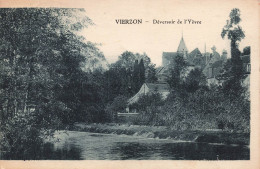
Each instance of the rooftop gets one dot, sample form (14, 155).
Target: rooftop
(182, 47)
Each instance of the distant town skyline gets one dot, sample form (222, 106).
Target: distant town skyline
(154, 39)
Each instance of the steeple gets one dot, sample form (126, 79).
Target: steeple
(182, 47)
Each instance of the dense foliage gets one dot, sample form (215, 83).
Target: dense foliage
(49, 79)
(200, 110)
(42, 82)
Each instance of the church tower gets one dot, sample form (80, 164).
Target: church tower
(182, 49)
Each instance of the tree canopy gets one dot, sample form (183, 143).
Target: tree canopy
(43, 82)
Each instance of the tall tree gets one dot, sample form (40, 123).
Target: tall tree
(141, 73)
(235, 33)
(195, 80)
(126, 59)
(136, 76)
(42, 81)
(151, 74)
(177, 68)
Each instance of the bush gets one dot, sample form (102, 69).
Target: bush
(118, 105)
(146, 101)
(203, 109)
(22, 137)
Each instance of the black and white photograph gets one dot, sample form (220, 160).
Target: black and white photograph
(129, 80)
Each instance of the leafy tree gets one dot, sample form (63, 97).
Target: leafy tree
(126, 76)
(141, 73)
(41, 58)
(136, 76)
(118, 105)
(117, 81)
(235, 33)
(145, 101)
(195, 80)
(126, 59)
(151, 74)
(177, 68)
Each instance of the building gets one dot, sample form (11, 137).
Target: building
(197, 59)
(214, 66)
(211, 65)
(149, 88)
(213, 70)
(194, 59)
(167, 57)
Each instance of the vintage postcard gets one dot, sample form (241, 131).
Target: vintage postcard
(129, 84)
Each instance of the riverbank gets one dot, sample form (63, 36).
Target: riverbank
(162, 132)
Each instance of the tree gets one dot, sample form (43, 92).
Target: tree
(177, 68)
(195, 80)
(151, 74)
(41, 79)
(41, 48)
(141, 73)
(148, 100)
(136, 76)
(134, 73)
(118, 105)
(235, 33)
(126, 59)
(117, 81)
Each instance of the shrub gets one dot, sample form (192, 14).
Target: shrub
(203, 109)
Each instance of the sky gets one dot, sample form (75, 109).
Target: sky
(153, 39)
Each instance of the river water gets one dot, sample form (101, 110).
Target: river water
(96, 146)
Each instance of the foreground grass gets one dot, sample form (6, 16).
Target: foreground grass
(162, 132)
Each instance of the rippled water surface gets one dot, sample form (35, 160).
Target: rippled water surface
(96, 146)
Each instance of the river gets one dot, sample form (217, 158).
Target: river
(95, 146)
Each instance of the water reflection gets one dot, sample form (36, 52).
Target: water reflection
(179, 151)
(94, 146)
(67, 152)
(45, 152)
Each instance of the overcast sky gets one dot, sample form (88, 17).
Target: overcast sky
(154, 39)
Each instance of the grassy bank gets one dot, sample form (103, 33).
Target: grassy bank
(162, 132)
